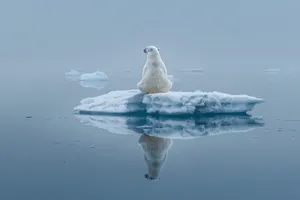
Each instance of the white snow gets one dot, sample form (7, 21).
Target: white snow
(172, 103)
(94, 76)
(175, 128)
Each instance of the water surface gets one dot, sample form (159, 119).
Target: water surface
(47, 153)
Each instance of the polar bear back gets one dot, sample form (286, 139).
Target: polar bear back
(150, 64)
(154, 78)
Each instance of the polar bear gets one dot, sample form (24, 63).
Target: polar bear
(154, 75)
(155, 153)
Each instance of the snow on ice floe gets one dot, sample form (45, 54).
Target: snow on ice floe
(174, 128)
(127, 102)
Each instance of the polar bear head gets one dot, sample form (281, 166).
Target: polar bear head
(151, 51)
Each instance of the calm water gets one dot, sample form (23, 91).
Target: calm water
(54, 156)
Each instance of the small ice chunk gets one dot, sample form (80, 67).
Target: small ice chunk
(73, 75)
(196, 70)
(97, 80)
(172, 78)
(94, 76)
(73, 72)
(272, 70)
(96, 84)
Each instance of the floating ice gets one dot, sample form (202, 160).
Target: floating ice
(174, 128)
(99, 85)
(72, 73)
(172, 78)
(95, 76)
(197, 70)
(272, 70)
(97, 80)
(128, 102)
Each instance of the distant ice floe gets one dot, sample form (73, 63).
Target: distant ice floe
(99, 85)
(126, 102)
(97, 80)
(172, 78)
(95, 76)
(273, 70)
(73, 75)
(73, 72)
(174, 128)
(195, 70)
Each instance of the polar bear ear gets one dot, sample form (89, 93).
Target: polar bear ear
(158, 49)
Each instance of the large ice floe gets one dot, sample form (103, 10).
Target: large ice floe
(133, 102)
(174, 128)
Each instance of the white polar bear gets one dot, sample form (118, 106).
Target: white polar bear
(155, 75)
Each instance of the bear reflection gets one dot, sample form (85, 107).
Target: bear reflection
(163, 130)
(155, 153)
